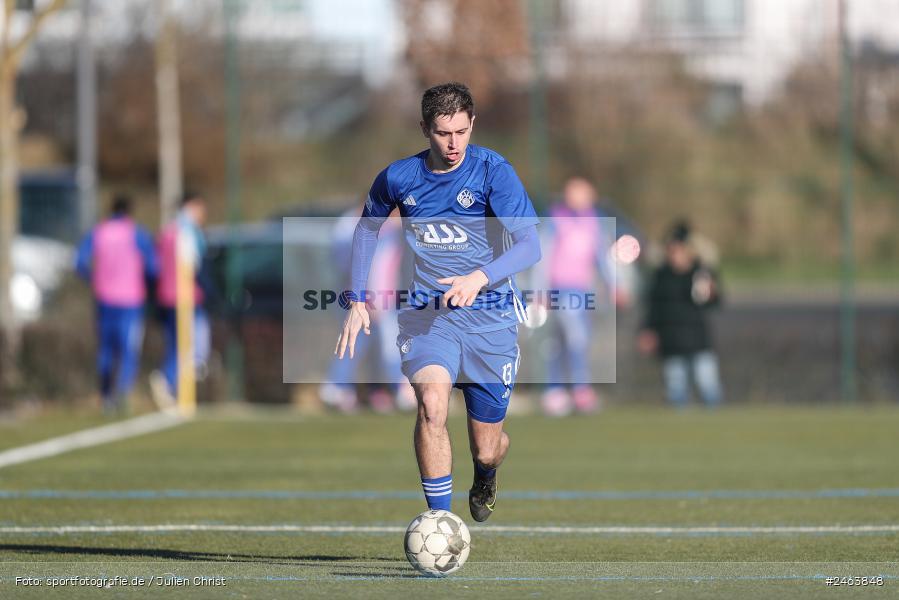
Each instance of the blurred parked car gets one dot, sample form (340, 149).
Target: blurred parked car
(255, 252)
(43, 253)
(39, 266)
(49, 205)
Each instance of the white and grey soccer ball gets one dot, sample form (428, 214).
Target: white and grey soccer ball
(437, 543)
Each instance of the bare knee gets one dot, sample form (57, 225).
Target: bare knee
(432, 407)
(488, 457)
(491, 455)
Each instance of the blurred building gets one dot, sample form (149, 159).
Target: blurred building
(315, 58)
(348, 35)
(744, 48)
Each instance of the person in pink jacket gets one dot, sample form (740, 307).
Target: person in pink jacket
(117, 257)
(578, 265)
(189, 222)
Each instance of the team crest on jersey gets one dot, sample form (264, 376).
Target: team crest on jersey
(407, 345)
(465, 198)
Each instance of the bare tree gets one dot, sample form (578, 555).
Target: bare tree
(12, 120)
(627, 112)
(484, 44)
(129, 147)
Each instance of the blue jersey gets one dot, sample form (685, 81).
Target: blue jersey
(455, 223)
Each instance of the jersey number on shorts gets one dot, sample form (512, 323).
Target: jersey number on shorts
(508, 368)
(507, 373)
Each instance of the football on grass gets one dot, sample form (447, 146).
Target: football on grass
(437, 543)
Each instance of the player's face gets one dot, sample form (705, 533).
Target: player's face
(198, 213)
(449, 136)
(579, 194)
(679, 256)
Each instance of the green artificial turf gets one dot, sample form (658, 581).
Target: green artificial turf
(736, 467)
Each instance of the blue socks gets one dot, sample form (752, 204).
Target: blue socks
(438, 492)
(483, 472)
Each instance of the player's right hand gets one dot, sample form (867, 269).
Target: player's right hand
(357, 318)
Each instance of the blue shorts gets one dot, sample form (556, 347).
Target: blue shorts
(482, 365)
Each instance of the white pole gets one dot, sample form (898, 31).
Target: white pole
(168, 113)
(87, 120)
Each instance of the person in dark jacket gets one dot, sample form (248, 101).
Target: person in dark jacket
(676, 326)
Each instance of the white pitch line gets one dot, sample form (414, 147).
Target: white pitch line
(705, 530)
(182, 527)
(90, 437)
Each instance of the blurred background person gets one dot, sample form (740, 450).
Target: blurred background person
(189, 222)
(676, 327)
(388, 388)
(117, 258)
(578, 257)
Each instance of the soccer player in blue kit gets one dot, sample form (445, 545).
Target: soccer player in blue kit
(471, 226)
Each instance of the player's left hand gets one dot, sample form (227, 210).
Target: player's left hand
(463, 288)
